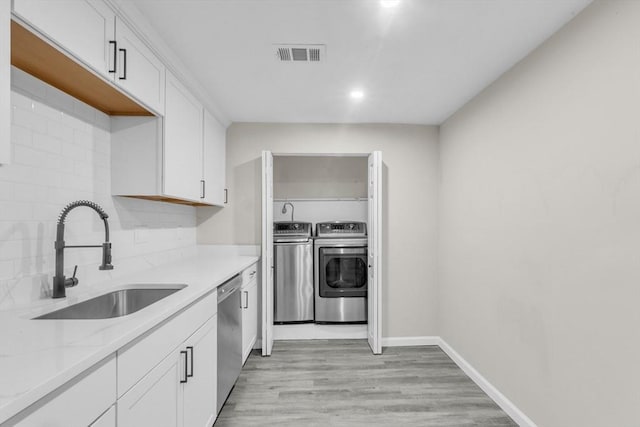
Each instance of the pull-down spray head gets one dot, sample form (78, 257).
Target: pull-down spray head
(59, 281)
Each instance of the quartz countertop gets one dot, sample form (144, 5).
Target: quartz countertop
(38, 356)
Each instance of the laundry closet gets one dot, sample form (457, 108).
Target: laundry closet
(319, 267)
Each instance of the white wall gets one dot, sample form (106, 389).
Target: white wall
(540, 226)
(61, 153)
(410, 156)
(316, 211)
(321, 188)
(319, 177)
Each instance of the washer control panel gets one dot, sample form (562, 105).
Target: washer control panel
(288, 228)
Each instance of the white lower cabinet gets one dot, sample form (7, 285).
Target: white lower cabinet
(168, 376)
(181, 390)
(108, 419)
(154, 399)
(199, 390)
(249, 303)
(77, 403)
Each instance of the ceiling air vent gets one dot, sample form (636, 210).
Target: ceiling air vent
(300, 52)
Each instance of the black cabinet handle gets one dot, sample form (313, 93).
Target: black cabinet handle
(115, 55)
(190, 349)
(124, 64)
(202, 188)
(226, 195)
(183, 352)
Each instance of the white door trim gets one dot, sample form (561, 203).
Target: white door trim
(374, 323)
(267, 253)
(374, 282)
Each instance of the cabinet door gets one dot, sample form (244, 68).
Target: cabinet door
(83, 28)
(139, 71)
(182, 142)
(199, 392)
(213, 160)
(249, 317)
(5, 82)
(154, 401)
(108, 419)
(77, 403)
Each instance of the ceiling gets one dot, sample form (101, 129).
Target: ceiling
(416, 62)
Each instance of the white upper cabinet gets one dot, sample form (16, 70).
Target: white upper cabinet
(91, 32)
(5, 82)
(176, 156)
(84, 28)
(213, 161)
(182, 142)
(138, 70)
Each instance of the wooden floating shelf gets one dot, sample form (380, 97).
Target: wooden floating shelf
(35, 56)
(169, 200)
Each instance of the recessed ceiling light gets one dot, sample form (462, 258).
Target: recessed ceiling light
(389, 3)
(356, 94)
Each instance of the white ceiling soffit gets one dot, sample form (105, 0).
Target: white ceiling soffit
(417, 62)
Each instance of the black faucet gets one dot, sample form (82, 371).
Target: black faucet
(60, 283)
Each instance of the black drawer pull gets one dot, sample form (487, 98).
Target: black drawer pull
(182, 381)
(115, 55)
(124, 64)
(190, 349)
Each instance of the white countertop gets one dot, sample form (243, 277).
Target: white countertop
(38, 356)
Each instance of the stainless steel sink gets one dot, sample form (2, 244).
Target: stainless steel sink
(114, 304)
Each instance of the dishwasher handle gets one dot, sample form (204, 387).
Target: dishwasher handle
(229, 287)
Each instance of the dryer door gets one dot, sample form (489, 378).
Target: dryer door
(343, 272)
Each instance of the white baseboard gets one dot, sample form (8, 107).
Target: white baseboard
(312, 331)
(409, 341)
(501, 400)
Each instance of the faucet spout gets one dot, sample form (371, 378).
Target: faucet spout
(60, 283)
(284, 209)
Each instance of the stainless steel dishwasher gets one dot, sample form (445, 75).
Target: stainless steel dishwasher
(229, 337)
(293, 276)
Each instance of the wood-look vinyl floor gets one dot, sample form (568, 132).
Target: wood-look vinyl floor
(340, 383)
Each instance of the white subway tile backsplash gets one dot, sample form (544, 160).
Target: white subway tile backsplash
(6, 190)
(6, 270)
(61, 150)
(73, 151)
(22, 101)
(28, 119)
(27, 192)
(28, 156)
(59, 100)
(24, 84)
(21, 136)
(56, 129)
(11, 210)
(47, 143)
